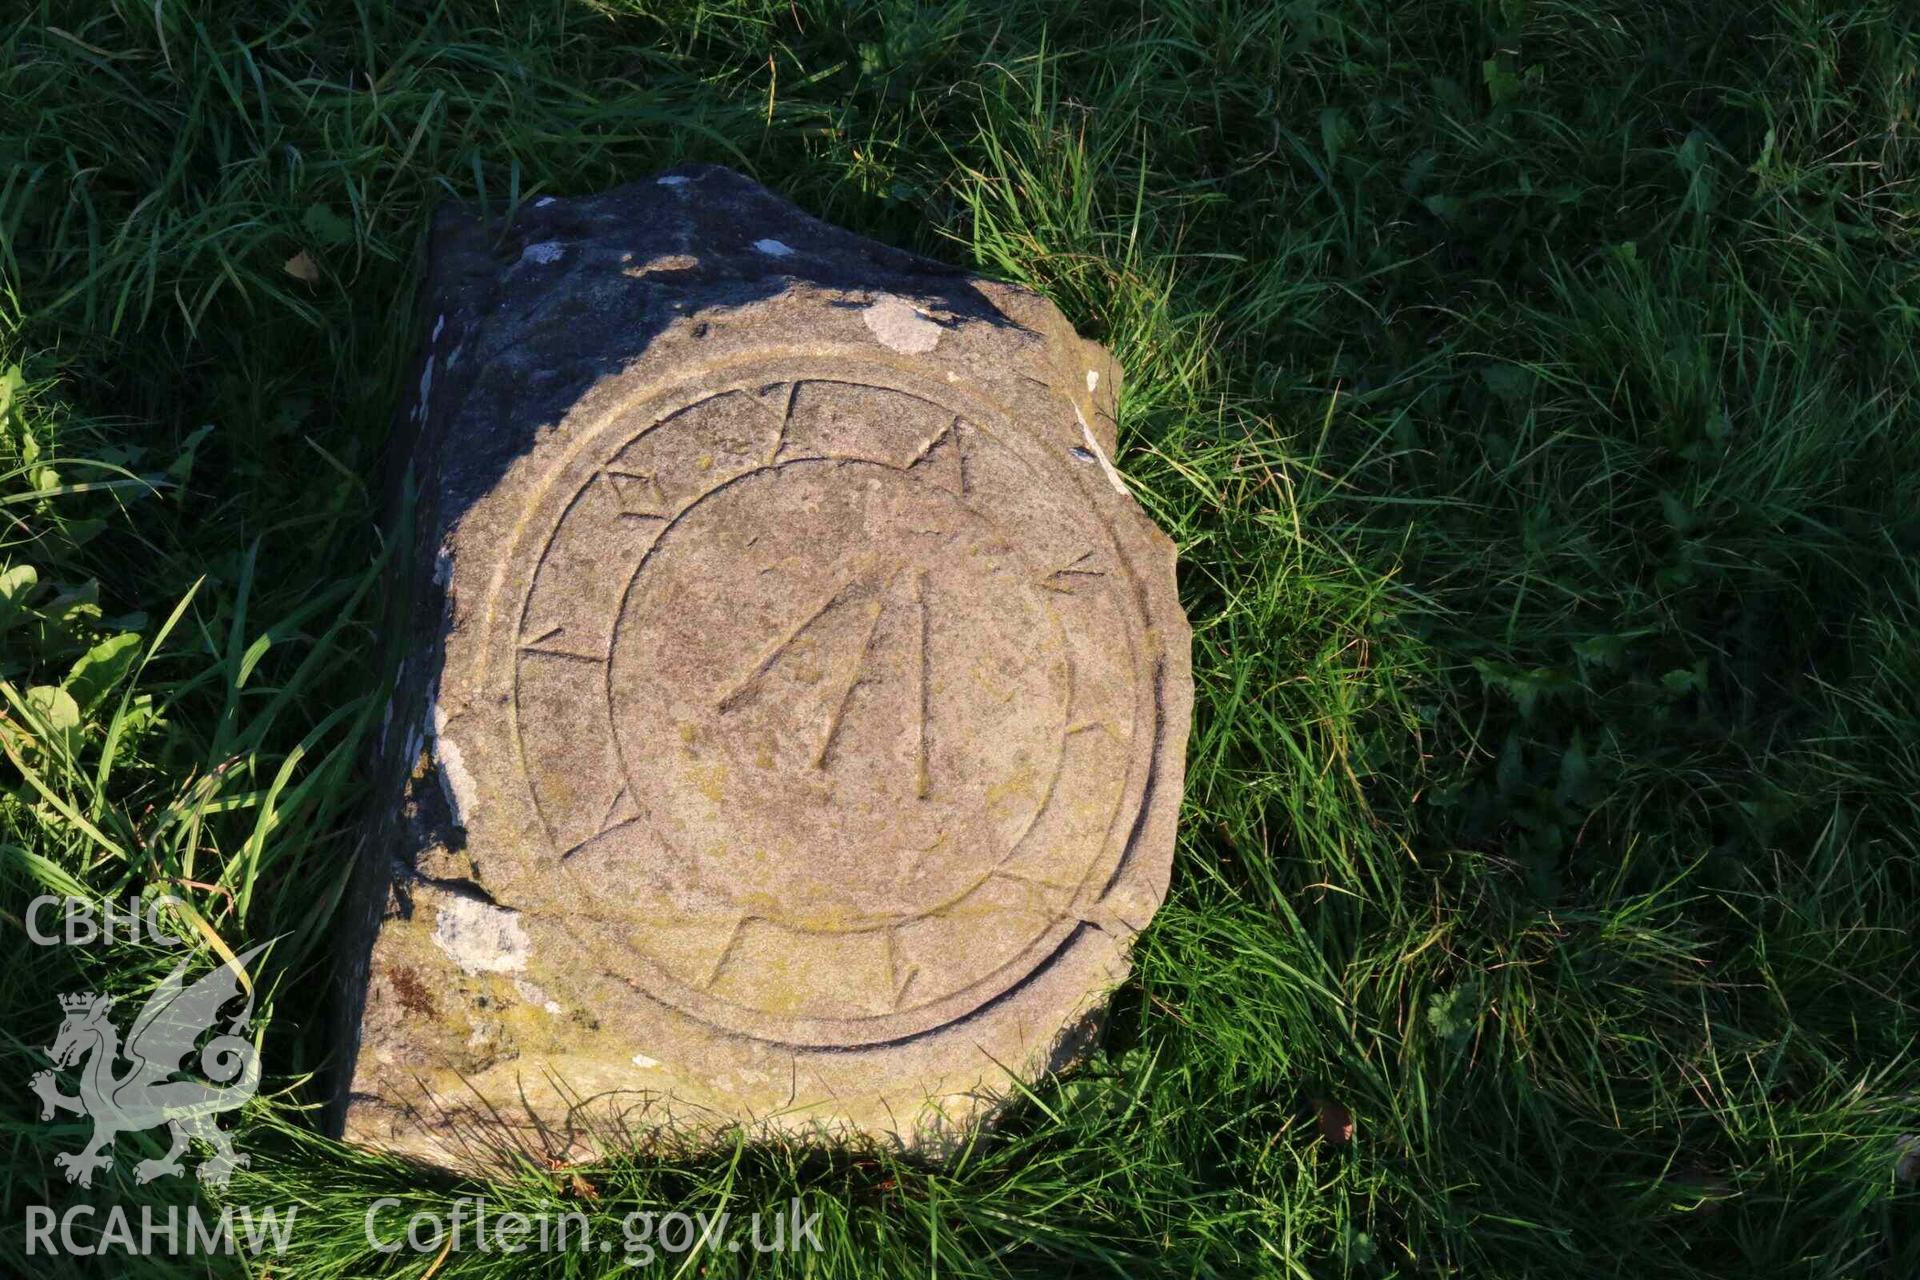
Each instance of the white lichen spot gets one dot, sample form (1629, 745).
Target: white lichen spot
(642, 1060)
(1093, 380)
(543, 202)
(480, 937)
(900, 326)
(773, 248)
(453, 357)
(455, 782)
(543, 252)
(673, 180)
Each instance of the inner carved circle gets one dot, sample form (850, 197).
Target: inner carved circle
(838, 693)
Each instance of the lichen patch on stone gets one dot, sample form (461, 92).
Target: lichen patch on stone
(480, 937)
(900, 327)
(535, 994)
(455, 780)
(543, 252)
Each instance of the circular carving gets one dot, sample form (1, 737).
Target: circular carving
(801, 702)
(824, 694)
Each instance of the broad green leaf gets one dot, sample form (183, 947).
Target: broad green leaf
(1684, 680)
(79, 606)
(1600, 650)
(1512, 383)
(11, 380)
(326, 226)
(102, 667)
(182, 466)
(1677, 513)
(78, 532)
(16, 584)
(56, 714)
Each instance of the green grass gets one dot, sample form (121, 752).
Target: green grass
(1531, 387)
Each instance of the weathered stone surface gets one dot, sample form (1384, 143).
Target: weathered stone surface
(793, 727)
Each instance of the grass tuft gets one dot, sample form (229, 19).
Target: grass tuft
(1530, 388)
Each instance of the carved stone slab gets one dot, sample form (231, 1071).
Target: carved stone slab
(793, 726)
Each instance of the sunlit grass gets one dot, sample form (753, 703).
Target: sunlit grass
(1530, 388)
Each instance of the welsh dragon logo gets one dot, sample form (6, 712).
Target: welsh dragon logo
(163, 1036)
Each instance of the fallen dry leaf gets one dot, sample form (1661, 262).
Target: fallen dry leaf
(300, 267)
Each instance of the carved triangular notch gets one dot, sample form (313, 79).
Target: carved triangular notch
(943, 458)
(553, 642)
(1071, 577)
(777, 399)
(621, 811)
(638, 495)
